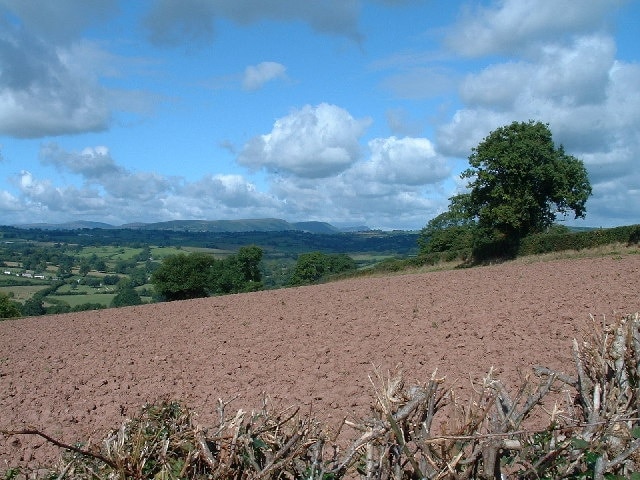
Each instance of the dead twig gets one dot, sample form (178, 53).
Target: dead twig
(58, 443)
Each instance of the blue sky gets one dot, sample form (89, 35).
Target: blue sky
(347, 111)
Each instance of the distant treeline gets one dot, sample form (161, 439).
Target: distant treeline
(291, 241)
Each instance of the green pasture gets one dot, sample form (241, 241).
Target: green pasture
(217, 252)
(158, 253)
(9, 280)
(23, 292)
(111, 253)
(77, 289)
(74, 300)
(364, 260)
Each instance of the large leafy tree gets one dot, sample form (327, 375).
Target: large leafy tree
(249, 258)
(238, 273)
(33, 306)
(182, 276)
(312, 267)
(451, 231)
(126, 294)
(8, 308)
(519, 182)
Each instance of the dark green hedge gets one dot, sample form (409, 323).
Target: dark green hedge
(537, 244)
(544, 243)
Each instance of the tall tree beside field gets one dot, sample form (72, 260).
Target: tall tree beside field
(249, 258)
(182, 276)
(126, 295)
(85, 268)
(8, 308)
(238, 273)
(519, 182)
(33, 307)
(312, 267)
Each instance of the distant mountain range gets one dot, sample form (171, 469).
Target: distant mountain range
(246, 225)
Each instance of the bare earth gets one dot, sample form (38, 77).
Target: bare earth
(76, 376)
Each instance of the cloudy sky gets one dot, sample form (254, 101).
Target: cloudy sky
(346, 111)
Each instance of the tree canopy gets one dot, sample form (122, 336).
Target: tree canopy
(183, 276)
(238, 273)
(8, 308)
(451, 231)
(126, 295)
(195, 275)
(519, 181)
(312, 267)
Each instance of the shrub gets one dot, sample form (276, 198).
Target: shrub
(111, 279)
(448, 232)
(313, 267)
(126, 295)
(83, 307)
(33, 307)
(391, 265)
(8, 308)
(182, 276)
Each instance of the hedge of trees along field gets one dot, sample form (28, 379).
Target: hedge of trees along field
(195, 275)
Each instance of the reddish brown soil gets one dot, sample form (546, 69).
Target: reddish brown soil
(76, 376)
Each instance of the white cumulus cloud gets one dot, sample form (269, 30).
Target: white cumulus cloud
(41, 93)
(50, 79)
(91, 162)
(398, 185)
(114, 194)
(403, 161)
(575, 88)
(359, 202)
(511, 26)
(314, 141)
(9, 202)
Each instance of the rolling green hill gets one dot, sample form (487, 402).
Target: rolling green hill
(244, 225)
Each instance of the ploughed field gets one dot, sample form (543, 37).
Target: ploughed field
(77, 376)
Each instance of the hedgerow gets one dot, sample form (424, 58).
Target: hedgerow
(544, 243)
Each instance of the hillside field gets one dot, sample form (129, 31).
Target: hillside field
(76, 376)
